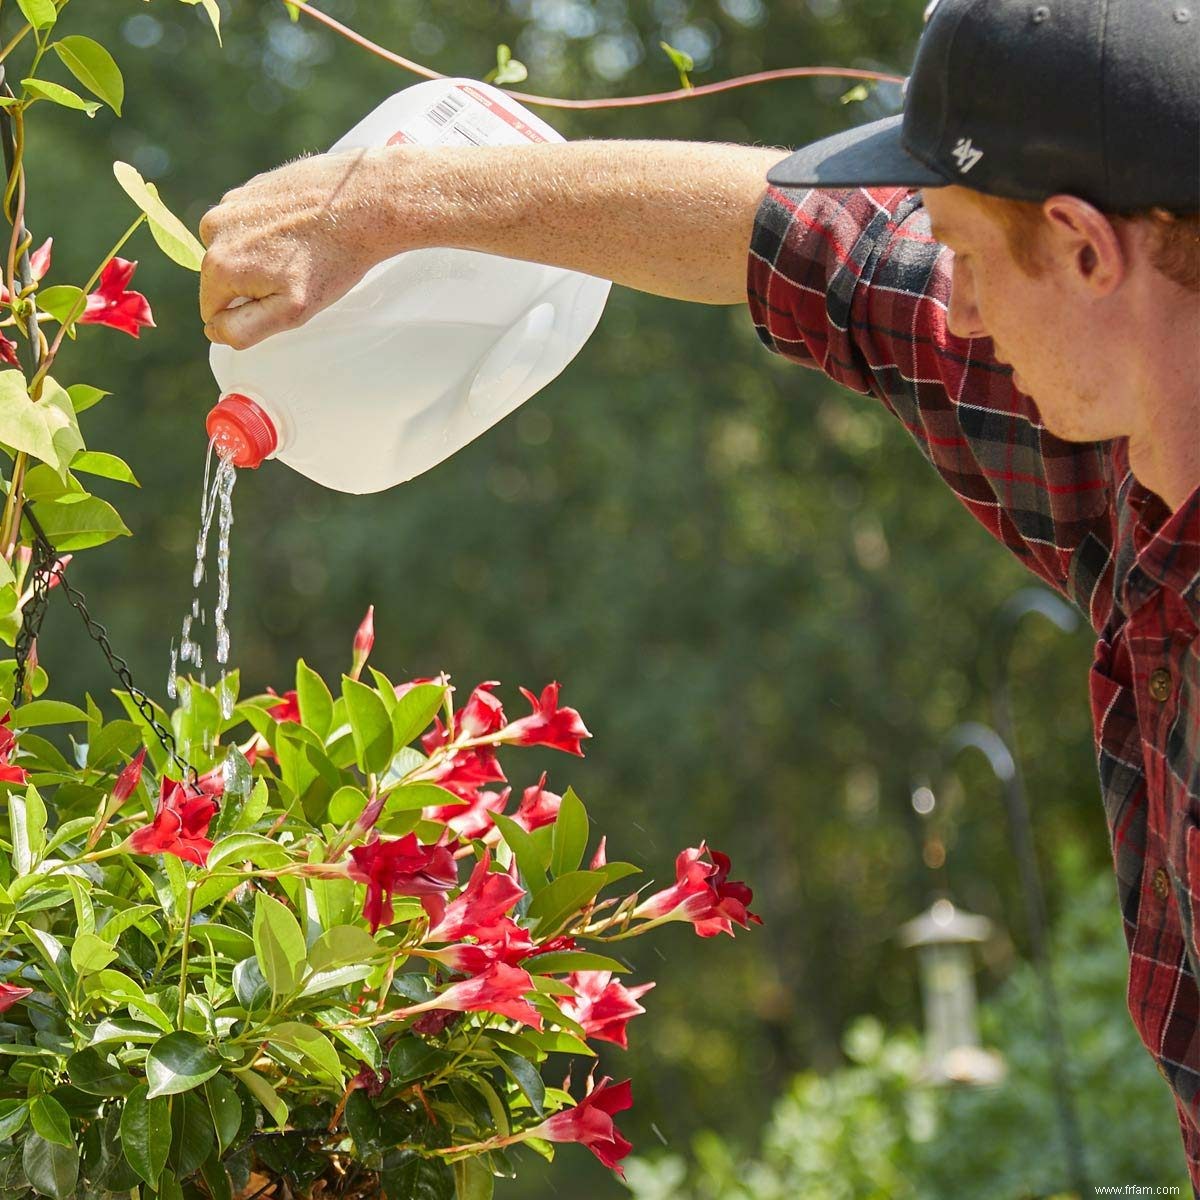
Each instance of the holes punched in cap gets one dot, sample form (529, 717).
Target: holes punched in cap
(1041, 13)
(1183, 15)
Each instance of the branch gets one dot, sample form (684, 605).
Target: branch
(704, 89)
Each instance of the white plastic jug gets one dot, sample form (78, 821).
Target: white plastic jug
(430, 348)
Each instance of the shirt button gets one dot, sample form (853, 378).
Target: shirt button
(1160, 684)
(1162, 885)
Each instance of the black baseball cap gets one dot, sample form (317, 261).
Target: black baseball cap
(1028, 98)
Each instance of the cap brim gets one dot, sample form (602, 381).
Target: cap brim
(868, 156)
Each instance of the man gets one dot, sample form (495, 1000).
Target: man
(1032, 315)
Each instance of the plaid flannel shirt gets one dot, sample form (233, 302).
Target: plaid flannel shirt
(853, 282)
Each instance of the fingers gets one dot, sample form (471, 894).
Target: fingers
(247, 324)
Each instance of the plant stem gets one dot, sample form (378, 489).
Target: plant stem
(187, 940)
(15, 41)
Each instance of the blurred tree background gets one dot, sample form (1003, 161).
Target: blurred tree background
(764, 603)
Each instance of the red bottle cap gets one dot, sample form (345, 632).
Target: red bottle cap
(241, 431)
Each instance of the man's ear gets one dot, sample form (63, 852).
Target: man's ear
(1083, 240)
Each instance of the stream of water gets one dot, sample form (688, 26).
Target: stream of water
(216, 502)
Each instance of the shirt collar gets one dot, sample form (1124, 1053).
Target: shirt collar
(1165, 544)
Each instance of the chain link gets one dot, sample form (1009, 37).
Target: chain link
(31, 622)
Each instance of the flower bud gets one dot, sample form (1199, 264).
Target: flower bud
(364, 639)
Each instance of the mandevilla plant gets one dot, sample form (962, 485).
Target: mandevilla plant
(287, 949)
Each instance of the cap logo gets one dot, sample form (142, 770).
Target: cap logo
(965, 155)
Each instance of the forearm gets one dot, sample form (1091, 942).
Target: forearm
(670, 218)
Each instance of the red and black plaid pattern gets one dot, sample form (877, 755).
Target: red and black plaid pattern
(852, 282)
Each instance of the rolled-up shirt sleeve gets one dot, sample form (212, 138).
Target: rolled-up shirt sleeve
(853, 283)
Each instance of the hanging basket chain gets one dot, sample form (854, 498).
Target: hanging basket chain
(44, 563)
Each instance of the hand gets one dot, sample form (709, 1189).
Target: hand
(290, 242)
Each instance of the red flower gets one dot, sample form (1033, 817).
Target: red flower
(10, 994)
(466, 771)
(590, 1123)
(402, 867)
(548, 725)
(507, 942)
(473, 819)
(538, 807)
(112, 304)
(288, 708)
(603, 1005)
(39, 260)
(364, 639)
(475, 911)
(8, 352)
(702, 895)
(128, 779)
(500, 989)
(8, 747)
(180, 823)
(482, 714)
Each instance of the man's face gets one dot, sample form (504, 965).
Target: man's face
(1036, 324)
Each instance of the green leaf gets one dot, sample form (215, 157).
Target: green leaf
(855, 95)
(316, 704)
(174, 238)
(415, 710)
(526, 1076)
(413, 796)
(278, 944)
(214, 14)
(341, 945)
(179, 1062)
(216, 1178)
(92, 1072)
(313, 1044)
(61, 301)
(51, 1169)
(560, 961)
(50, 1119)
(90, 953)
(683, 63)
(84, 396)
(246, 847)
(411, 1176)
(80, 521)
(370, 725)
(94, 67)
(226, 1109)
(265, 1094)
(47, 712)
(146, 1133)
(570, 836)
(12, 1116)
(107, 466)
(562, 898)
(43, 89)
(192, 1139)
(27, 822)
(25, 425)
(525, 850)
(41, 14)
(472, 1180)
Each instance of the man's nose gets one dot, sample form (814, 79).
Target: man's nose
(962, 317)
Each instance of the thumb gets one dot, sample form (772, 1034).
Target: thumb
(244, 324)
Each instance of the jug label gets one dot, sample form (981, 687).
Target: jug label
(467, 116)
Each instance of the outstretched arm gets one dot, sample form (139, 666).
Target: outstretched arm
(670, 218)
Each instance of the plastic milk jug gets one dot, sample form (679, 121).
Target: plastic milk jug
(427, 351)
